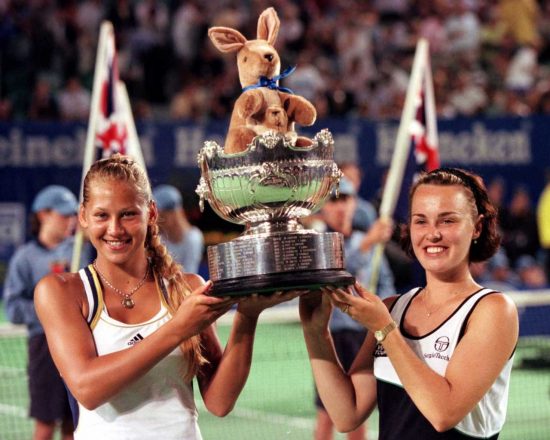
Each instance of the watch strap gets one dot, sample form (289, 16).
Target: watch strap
(381, 334)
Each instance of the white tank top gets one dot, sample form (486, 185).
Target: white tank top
(159, 405)
(436, 348)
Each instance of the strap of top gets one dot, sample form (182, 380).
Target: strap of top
(91, 287)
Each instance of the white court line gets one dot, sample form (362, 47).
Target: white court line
(11, 370)
(278, 419)
(12, 410)
(268, 417)
(12, 330)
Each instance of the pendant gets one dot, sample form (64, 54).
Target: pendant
(128, 302)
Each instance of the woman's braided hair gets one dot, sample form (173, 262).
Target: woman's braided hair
(122, 168)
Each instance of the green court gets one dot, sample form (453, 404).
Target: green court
(277, 402)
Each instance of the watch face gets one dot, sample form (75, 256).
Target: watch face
(380, 335)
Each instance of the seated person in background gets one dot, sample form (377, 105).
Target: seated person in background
(531, 273)
(184, 241)
(500, 275)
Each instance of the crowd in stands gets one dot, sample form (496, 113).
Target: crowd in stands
(353, 57)
(521, 262)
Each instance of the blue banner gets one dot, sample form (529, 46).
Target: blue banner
(33, 155)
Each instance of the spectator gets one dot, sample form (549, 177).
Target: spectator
(347, 54)
(519, 227)
(74, 101)
(522, 71)
(499, 275)
(543, 223)
(184, 241)
(53, 221)
(520, 17)
(531, 273)
(43, 104)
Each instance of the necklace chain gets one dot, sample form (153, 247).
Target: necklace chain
(428, 312)
(127, 300)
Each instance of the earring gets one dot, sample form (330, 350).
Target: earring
(475, 241)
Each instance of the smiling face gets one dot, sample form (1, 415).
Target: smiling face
(116, 219)
(443, 224)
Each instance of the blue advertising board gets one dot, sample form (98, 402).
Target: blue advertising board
(33, 155)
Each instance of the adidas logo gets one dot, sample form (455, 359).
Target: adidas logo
(135, 339)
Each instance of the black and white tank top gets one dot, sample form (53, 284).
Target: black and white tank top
(436, 349)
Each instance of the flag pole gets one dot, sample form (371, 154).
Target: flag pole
(394, 178)
(106, 35)
(432, 134)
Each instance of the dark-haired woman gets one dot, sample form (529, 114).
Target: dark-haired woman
(437, 359)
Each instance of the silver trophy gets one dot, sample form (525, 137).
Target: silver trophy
(268, 188)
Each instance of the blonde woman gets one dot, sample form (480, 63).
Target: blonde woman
(130, 332)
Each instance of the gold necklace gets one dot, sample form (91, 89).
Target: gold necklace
(428, 312)
(127, 300)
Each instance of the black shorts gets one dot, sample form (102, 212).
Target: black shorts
(48, 395)
(347, 344)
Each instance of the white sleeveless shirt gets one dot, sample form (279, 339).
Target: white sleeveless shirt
(436, 349)
(159, 405)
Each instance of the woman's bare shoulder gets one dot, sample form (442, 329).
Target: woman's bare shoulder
(194, 280)
(60, 287)
(64, 280)
(498, 303)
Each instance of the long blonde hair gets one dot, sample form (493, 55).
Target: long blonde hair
(122, 168)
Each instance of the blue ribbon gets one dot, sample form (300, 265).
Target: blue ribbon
(271, 83)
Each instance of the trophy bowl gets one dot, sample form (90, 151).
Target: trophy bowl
(268, 188)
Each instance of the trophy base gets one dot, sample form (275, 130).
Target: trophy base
(265, 263)
(266, 284)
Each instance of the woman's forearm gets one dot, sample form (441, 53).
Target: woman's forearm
(221, 390)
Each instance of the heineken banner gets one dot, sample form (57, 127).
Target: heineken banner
(33, 155)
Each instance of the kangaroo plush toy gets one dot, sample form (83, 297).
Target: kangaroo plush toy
(263, 105)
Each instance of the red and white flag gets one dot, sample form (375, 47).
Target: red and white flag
(416, 146)
(111, 134)
(111, 126)
(417, 137)
(423, 152)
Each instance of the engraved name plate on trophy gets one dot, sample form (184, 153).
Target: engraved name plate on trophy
(268, 188)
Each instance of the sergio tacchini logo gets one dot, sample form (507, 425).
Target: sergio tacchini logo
(442, 343)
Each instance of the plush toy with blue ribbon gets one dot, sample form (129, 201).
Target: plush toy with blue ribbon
(263, 105)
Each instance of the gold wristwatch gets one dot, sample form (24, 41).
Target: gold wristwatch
(381, 334)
